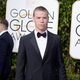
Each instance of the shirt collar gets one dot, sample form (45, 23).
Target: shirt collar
(35, 32)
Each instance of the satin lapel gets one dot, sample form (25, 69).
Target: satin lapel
(34, 43)
(49, 42)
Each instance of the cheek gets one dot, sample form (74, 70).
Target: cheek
(46, 21)
(36, 21)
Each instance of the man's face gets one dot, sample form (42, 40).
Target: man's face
(41, 20)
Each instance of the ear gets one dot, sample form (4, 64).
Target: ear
(33, 18)
(48, 17)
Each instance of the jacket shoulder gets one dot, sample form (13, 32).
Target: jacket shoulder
(28, 36)
(53, 34)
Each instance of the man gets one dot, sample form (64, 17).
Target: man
(6, 46)
(39, 56)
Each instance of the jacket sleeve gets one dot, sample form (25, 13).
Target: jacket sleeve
(62, 71)
(20, 68)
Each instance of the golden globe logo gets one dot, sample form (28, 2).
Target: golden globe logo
(75, 31)
(20, 23)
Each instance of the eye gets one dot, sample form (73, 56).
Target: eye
(38, 17)
(44, 17)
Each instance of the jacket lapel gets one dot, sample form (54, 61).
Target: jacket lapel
(34, 43)
(49, 42)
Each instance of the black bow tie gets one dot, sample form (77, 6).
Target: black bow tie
(41, 34)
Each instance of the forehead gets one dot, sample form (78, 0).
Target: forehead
(38, 12)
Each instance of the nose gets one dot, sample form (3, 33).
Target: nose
(42, 20)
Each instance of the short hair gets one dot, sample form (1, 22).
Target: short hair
(4, 22)
(40, 8)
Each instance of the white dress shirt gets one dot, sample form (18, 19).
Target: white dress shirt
(42, 42)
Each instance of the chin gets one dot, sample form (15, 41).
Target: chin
(43, 30)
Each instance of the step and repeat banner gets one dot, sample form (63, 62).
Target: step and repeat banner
(75, 31)
(19, 14)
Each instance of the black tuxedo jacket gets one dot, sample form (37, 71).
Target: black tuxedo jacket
(30, 65)
(6, 46)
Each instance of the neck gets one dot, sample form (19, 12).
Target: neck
(41, 31)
